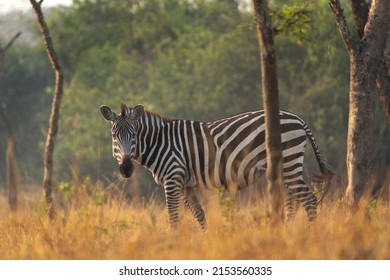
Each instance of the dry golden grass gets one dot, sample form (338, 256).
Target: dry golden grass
(117, 230)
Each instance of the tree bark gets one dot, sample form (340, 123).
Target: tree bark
(383, 85)
(269, 80)
(366, 55)
(55, 109)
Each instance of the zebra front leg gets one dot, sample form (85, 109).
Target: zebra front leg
(192, 203)
(172, 196)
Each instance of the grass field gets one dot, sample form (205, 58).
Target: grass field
(104, 227)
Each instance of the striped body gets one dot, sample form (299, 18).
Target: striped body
(230, 152)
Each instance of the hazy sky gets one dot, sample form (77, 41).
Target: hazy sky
(9, 5)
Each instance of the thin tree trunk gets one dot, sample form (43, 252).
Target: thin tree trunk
(55, 109)
(12, 172)
(271, 106)
(365, 55)
(11, 164)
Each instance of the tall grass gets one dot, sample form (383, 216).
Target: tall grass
(95, 225)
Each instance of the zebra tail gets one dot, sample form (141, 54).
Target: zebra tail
(327, 172)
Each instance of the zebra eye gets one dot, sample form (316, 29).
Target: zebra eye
(116, 150)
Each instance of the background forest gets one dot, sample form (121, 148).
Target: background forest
(183, 59)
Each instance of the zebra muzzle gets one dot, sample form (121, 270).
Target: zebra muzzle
(126, 168)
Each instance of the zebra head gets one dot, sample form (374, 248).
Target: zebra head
(123, 132)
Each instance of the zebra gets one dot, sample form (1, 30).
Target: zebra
(185, 154)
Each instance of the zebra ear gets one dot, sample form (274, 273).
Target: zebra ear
(137, 112)
(107, 113)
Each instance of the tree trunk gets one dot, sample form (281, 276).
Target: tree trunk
(360, 10)
(360, 131)
(12, 172)
(271, 106)
(366, 56)
(55, 109)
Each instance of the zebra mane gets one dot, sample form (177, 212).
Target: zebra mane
(156, 115)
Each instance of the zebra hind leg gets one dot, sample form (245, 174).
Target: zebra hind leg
(290, 205)
(309, 203)
(192, 202)
(305, 197)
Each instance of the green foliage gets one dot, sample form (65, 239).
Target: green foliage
(169, 56)
(66, 189)
(314, 80)
(99, 198)
(293, 20)
(227, 202)
(122, 224)
(372, 206)
(183, 59)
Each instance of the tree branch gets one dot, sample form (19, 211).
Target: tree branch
(39, 3)
(342, 24)
(360, 10)
(3, 50)
(375, 30)
(46, 34)
(3, 69)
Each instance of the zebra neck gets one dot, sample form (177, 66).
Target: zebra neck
(150, 134)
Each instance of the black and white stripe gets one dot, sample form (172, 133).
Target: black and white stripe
(184, 154)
